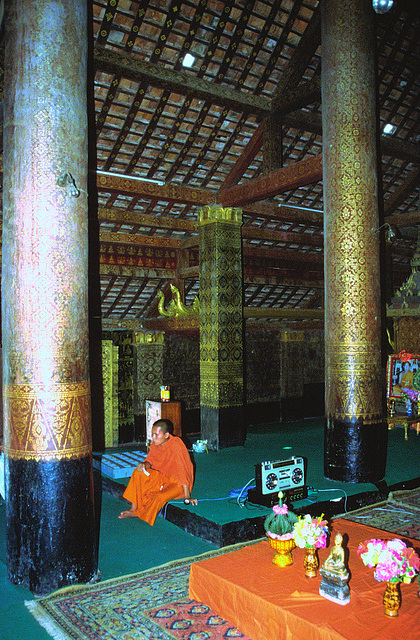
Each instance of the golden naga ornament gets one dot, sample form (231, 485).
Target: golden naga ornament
(176, 308)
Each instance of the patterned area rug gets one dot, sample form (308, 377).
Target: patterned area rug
(400, 514)
(151, 605)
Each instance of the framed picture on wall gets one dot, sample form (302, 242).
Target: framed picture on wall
(403, 375)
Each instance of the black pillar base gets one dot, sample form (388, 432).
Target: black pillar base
(355, 452)
(223, 427)
(50, 529)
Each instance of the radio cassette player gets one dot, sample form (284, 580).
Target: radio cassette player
(280, 475)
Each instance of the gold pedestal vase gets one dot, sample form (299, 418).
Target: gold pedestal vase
(283, 548)
(392, 599)
(310, 562)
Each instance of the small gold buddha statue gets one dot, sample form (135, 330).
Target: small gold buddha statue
(335, 575)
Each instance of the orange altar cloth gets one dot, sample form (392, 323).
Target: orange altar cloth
(267, 602)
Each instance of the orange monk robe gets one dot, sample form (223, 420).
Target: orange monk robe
(171, 468)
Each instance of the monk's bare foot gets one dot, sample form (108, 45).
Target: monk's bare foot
(127, 514)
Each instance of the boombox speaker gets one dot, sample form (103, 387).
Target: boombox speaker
(287, 476)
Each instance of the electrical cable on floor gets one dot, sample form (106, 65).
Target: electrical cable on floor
(234, 493)
(241, 491)
(315, 491)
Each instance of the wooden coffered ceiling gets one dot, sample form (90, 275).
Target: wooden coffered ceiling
(170, 139)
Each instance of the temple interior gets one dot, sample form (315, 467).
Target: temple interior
(210, 214)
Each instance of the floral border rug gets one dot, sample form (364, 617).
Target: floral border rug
(399, 514)
(151, 605)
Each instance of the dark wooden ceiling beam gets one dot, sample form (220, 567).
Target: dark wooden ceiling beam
(394, 147)
(286, 98)
(271, 235)
(295, 68)
(285, 213)
(287, 94)
(287, 237)
(181, 82)
(401, 193)
(404, 219)
(247, 156)
(285, 179)
(284, 255)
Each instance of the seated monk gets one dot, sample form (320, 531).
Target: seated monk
(166, 474)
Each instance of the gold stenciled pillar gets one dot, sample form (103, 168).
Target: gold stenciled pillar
(355, 434)
(221, 326)
(50, 528)
(110, 388)
(149, 359)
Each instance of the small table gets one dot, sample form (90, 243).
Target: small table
(268, 602)
(155, 410)
(404, 421)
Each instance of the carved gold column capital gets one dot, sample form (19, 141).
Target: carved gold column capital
(217, 213)
(148, 337)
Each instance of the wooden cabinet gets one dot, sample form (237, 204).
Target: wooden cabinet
(155, 409)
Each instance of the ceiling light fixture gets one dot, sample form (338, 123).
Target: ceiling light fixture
(67, 179)
(390, 233)
(188, 60)
(389, 128)
(382, 6)
(122, 175)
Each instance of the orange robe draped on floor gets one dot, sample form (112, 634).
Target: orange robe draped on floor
(171, 468)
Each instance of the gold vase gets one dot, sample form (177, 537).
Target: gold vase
(310, 562)
(392, 599)
(283, 549)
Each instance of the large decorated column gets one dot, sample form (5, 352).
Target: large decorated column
(355, 433)
(51, 540)
(221, 326)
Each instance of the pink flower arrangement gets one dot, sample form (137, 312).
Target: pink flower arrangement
(392, 559)
(411, 394)
(310, 532)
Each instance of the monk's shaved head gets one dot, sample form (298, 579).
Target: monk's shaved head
(164, 425)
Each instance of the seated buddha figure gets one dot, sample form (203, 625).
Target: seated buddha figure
(335, 575)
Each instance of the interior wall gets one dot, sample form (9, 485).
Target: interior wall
(284, 378)
(407, 334)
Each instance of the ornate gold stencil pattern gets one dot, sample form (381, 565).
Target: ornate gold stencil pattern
(48, 422)
(221, 348)
(352, 319)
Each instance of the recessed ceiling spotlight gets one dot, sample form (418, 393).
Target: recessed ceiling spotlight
(188, 60)
(389, 128)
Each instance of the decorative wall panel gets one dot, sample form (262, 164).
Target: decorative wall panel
(124, 341)
(149, 352)
(110, 387)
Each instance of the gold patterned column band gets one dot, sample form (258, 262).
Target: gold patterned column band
(48, 422)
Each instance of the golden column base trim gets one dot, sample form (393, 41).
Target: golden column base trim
(48, 422)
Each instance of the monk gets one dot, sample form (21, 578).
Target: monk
(166, 474)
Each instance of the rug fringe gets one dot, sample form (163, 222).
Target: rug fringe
(45, 621)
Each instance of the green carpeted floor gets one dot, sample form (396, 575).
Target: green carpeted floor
(218, 473)
(129, 546)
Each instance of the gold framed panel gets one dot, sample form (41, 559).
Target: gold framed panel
(403, 374)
